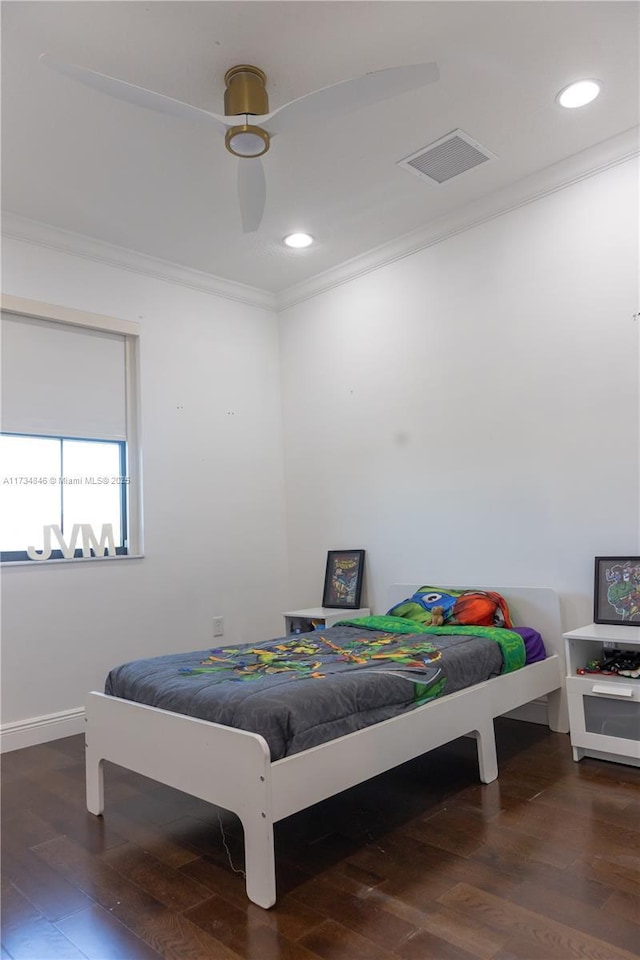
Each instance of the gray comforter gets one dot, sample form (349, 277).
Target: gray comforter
(308, 689)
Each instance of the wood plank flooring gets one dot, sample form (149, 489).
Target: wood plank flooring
(422, 863)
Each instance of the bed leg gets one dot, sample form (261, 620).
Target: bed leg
(558, 711)
(259, 860)
(94, 774)
(487, 756)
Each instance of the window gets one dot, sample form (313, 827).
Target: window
(69, 477)
(62, 483)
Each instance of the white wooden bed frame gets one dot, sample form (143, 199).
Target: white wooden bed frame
(232, 768)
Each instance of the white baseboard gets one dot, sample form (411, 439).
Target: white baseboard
(52, 726)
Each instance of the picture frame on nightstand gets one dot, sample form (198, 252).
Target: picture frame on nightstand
(343, 579)
(616, 592)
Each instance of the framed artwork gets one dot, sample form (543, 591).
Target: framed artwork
(343, 579)
(616, 594)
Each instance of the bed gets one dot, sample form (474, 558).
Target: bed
(242, 776)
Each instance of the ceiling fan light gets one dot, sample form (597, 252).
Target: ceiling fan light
(578, 94)
(245, 140)
(298, 240)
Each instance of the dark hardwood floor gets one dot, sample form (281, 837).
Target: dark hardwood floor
(423, 862)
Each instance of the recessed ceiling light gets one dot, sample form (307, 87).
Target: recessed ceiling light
(298, 240)
(578, 94)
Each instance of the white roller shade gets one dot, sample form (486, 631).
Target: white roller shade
(62, 380)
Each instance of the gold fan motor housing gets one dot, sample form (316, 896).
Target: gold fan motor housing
(246, 92)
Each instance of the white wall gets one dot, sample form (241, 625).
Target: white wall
(213, 492)
(470, 413)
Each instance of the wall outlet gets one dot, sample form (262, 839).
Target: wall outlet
(218, 626)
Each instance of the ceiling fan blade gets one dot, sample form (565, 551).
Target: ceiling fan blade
(252, 193)
(130, 93)
(349, 95)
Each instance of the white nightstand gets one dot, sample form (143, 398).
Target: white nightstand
(604, 711)
(324, 616)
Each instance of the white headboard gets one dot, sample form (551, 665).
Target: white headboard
(537, 607)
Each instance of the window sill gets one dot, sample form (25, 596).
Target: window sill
(48, 563)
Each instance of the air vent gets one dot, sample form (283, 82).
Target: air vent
(446, 158)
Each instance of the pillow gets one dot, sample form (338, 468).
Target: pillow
(482, 608)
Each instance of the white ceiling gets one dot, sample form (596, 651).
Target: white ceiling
(79, 160)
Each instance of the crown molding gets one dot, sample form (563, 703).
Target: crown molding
(16, 227)
(588, 163)
(580, 166)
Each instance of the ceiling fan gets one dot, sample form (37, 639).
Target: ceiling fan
(247, 123)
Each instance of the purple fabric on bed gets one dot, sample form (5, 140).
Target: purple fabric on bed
(533, 644)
